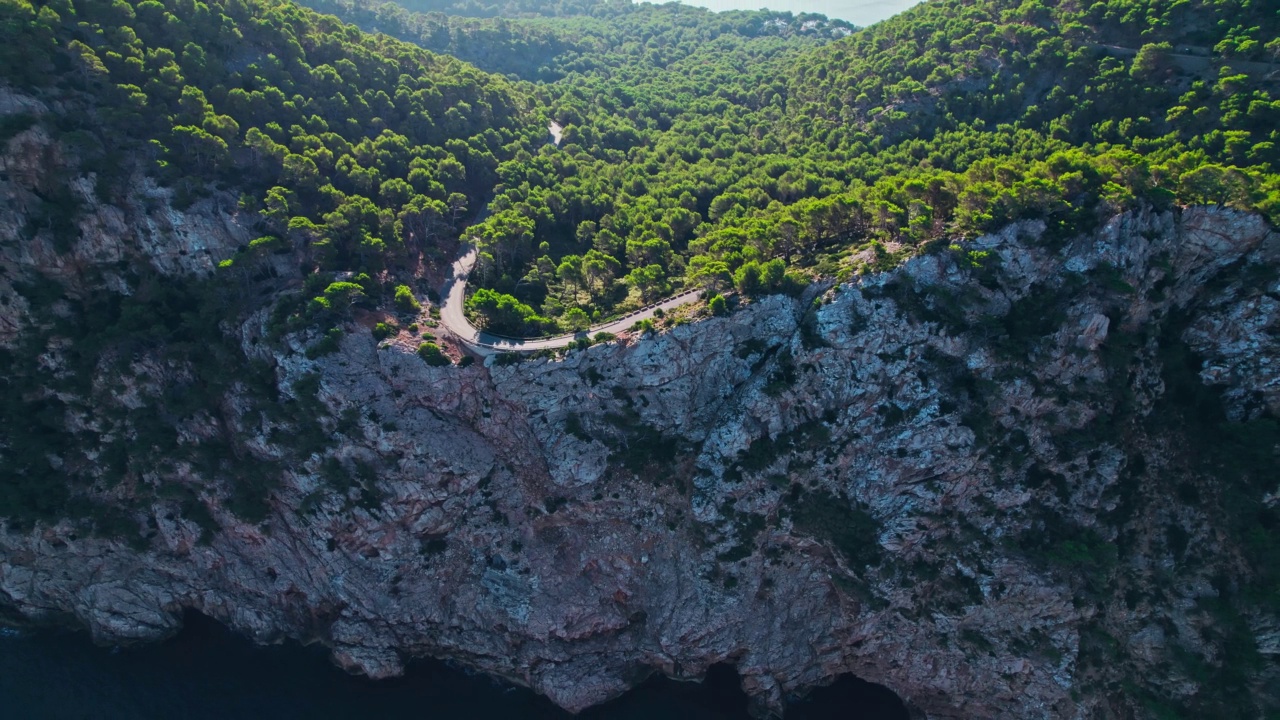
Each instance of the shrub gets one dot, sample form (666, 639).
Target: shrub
(1068, 548)
(847, 525)
(343, 293)
(268, 244)
(405, 301)
(430, 352)
(326, 345)
(573, 425)
(383, 330)
(718, 306)
(576, 319)
(318, 305)
(434, 545)
(756, 278)
(502, 313)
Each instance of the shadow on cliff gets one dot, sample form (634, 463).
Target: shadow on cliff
(720, 697)
(207, 671)
(852, 698)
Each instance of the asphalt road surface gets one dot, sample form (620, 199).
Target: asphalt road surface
(453, 317)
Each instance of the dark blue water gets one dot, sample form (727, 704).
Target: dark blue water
(209, 672)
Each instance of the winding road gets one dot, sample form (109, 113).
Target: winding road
(454, 318)
(1201, 61)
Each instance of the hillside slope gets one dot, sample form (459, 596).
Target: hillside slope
(173, 169)
(710, 146)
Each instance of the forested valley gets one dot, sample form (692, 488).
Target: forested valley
(751, 151)
(746, 150)
(728, 151)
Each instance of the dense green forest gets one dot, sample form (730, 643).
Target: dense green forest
(946, 122)
(521, 8)
(700, 147)
(607, 38)
(355, 150)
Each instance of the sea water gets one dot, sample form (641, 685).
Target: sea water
(208, 672)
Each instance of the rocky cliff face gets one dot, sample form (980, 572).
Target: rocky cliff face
(53, 222)
(967, 479)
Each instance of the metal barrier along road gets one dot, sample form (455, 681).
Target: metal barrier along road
(569, 338)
